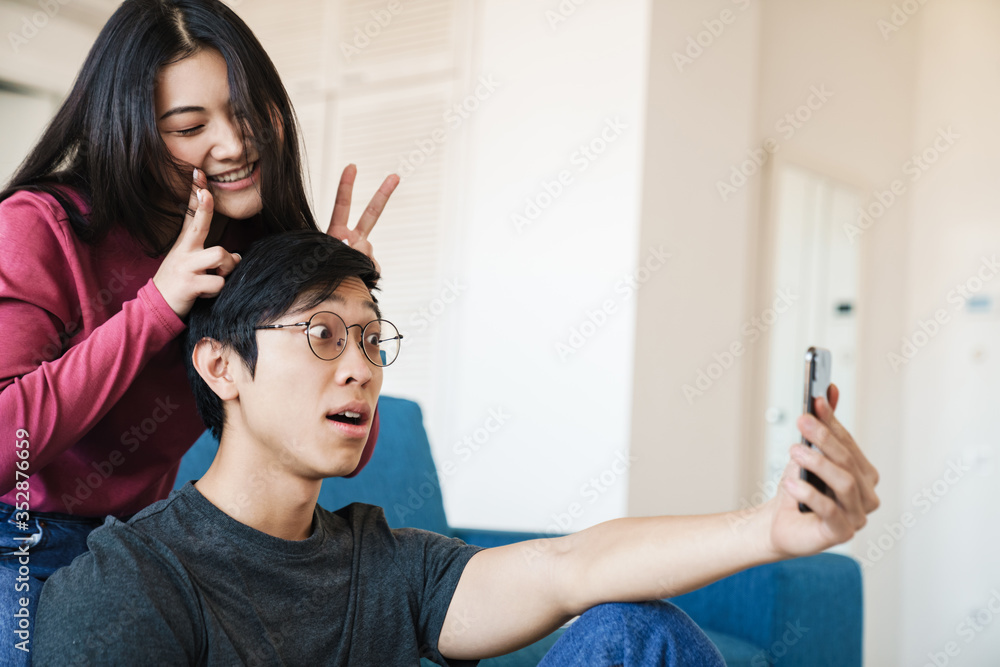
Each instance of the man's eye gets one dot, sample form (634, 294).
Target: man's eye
(190, 130)
(319, 331)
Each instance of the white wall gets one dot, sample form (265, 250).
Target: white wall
(562, 84)
(951, 556)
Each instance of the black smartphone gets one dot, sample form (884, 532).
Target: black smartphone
(817, 382)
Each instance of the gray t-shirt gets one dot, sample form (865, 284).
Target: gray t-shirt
(184, 583)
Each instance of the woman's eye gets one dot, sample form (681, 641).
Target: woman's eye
(190, 130)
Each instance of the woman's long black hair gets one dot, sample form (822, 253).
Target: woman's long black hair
(104, 139)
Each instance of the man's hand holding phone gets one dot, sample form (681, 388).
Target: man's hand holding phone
(840, 463)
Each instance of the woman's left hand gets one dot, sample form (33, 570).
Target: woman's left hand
(357, 238)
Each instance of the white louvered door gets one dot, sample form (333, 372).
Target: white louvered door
(371, 82)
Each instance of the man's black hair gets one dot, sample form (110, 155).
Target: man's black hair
(270, 278)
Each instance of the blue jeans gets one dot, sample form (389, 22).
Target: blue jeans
(53, 540)
(633, 634)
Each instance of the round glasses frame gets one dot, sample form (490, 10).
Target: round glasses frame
(308, 324)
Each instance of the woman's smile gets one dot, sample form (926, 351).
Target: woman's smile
(235, 179)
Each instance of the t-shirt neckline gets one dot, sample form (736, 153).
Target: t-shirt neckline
(251, 536)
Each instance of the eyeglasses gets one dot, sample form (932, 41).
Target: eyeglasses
(328, 337)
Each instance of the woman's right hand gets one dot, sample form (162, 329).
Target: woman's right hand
(190, 270)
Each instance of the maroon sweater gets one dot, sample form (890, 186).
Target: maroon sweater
(91, 365)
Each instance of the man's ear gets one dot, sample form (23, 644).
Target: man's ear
(211, 361)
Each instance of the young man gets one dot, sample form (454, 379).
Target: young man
(286, 365)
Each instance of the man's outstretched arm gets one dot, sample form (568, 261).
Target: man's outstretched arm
(511, 596)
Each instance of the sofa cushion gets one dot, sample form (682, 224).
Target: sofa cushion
(738, 653)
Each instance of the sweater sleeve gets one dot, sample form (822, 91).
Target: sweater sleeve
(55, 394)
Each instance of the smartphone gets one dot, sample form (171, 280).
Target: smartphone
(817, 382)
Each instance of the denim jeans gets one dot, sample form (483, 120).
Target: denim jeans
(654, 633)
(53, 540)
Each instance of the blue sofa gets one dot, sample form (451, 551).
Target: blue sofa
(799, 613)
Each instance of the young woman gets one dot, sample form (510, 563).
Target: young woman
(176, 148)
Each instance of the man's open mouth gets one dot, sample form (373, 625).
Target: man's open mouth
(353, 413)
(347, 417)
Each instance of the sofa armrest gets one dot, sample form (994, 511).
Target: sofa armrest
(804, 612)
(496, 538)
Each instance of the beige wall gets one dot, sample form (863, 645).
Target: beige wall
(707, 456)
(41, 51)
(693, 454)
(950, 561)
(863, 135)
